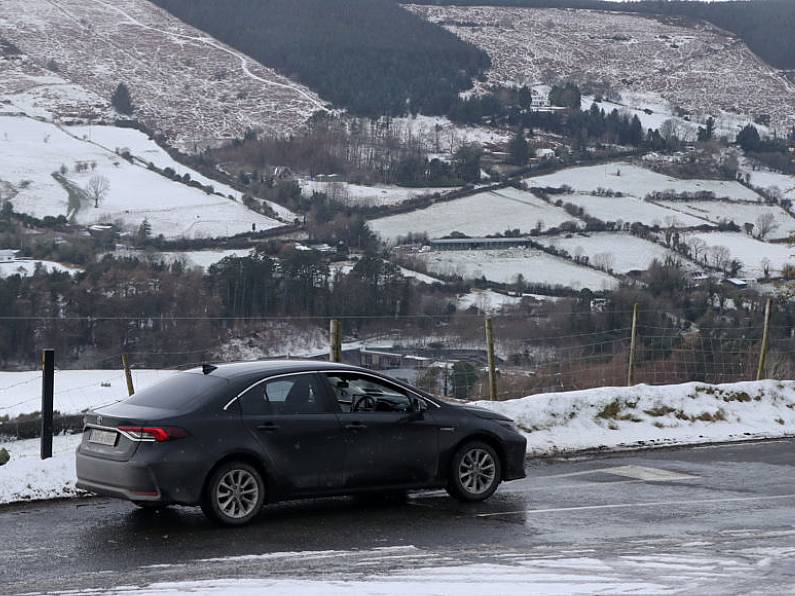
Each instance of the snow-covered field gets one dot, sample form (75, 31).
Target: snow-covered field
(620, 252)
(603, 418)
(145, 149)
(487, 301)
(222, 93)
(503, 266)
(771, 181)
(31, 151)
(191, 258)
(357, 195)
(696, 67)
(476, 215)
(26, 268)
(75, 390)
(739, 213)
(646, 416)
(638, 182)
(440, 136)
(630, 210)
(750, 252)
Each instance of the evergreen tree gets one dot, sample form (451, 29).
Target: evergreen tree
(635, 134)
(121, 100)
(525, 98)
(748, 138)
(144, 232)
(464, 378)
(466, 162)
(708, 133)
(519, 149)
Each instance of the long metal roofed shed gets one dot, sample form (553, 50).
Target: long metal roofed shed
(478, 243)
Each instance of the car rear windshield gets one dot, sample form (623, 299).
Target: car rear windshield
(179, 390)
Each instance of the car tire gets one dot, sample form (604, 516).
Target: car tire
(475, 472)
(234, 494)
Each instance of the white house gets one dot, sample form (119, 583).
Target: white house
(7, 255)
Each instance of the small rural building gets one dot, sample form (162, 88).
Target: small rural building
(734, 282)
(479, 243)
(330, 178)
(282, 173)
(8, 255)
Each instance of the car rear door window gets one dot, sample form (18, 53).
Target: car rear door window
(295, 394)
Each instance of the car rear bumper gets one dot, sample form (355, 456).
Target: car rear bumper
(122, 479)
(154, 477)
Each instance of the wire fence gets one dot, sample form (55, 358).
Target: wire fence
(442, 356)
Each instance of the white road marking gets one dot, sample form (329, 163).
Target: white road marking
(638, 472)
(648, 474)
(650, 504)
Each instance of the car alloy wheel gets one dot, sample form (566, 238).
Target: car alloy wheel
(237, 493)
(476, 472)
(234, 494)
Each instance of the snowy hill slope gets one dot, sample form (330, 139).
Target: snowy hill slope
(698, 68)
(31, 152)
(184, 83)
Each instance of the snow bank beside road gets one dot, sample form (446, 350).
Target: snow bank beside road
(649, 416)
(27, 478)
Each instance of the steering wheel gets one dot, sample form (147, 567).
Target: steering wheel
(365, 402)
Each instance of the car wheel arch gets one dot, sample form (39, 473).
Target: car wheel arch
(247, 458)
(490, 440)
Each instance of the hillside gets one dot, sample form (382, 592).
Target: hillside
(184, 84)
(369, 56)
(695, 67)
(766, 27)
(45, 170)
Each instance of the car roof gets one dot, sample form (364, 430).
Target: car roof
(241, 370)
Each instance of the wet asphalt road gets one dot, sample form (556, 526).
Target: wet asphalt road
(707, 520)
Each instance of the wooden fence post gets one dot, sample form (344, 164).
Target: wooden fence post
(47, 394)
(125, 361)
(492, 365)
(335, 341)
(760, 371)
(632, 342)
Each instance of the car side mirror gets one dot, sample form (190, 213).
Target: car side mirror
(418, 406)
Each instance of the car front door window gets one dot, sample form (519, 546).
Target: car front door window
(359, 393)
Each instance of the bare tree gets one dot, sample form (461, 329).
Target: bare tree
(97, 188)
(766, 267)
(697, 247)
(604, 261)
(721, 256)
(674, 131)
(765, 224)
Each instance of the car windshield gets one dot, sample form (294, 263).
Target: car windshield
(177, 390)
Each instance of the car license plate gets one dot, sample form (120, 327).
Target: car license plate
(103, 437)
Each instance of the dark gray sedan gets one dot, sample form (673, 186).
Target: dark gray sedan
(232, 437)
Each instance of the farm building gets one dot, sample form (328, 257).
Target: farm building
(479, 243)
(7, 256)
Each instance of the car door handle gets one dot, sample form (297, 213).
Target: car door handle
(268, 427)
(355, 426)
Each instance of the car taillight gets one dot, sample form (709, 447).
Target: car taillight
(156, 434)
